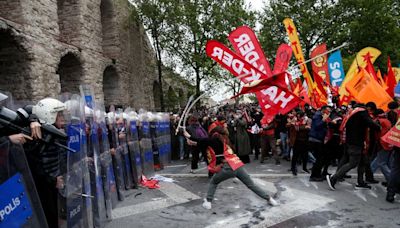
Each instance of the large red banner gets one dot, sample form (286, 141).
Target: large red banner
(246, 44)
(273, 99)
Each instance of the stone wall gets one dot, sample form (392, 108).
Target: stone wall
(52, 46)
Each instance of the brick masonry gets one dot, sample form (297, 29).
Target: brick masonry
(51, 46)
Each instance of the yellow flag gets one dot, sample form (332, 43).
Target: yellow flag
(360, 61)
(396, 71)
(298, 53)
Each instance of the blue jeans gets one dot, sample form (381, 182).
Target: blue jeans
(181, 146)
(382, 161)
(285, 146)
(394, 181)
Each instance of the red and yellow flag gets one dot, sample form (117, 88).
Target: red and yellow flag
(360, 61)
(298, 52)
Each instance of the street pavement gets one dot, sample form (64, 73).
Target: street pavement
(302, 203)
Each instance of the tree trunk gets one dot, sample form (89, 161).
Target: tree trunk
(159, 66)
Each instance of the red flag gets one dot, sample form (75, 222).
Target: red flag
(291, 83)
(345, 100)
(320, 63)
(245, 42)
(320, 84)
(273, 99)
(391, 79)
(370, 69)
(282, 60)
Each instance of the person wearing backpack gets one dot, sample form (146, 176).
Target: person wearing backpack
(197, 131)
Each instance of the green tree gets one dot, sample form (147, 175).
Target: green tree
(374, 23)
(358, 23)
(197, 21)
(315, 20)
(153, 15)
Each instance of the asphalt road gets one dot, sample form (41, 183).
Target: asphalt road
(302, 203)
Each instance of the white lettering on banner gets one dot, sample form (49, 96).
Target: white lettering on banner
(248, 51)
(272, 93)
(236, 64)
(335, 73)
(9, 208)
(227, 59)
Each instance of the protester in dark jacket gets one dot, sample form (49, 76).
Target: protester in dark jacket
(197, 131)
(319, 128)
(355, 126)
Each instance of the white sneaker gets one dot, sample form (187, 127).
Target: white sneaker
(272, 202)
(206, 204)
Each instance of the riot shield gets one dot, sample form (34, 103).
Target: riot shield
(146, 149)
(20, 205)
(123, 149)
(93, 147)
(116, 156)
(164, 133)
(71, 199)
(133, 145)
(107, 172)
(155, 141)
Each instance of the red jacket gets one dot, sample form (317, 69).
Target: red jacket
(386, 126)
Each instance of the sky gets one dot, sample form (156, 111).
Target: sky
(222, 94)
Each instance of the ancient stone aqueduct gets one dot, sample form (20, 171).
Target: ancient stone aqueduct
(48, 47)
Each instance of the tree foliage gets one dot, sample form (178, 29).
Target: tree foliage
(358, 23)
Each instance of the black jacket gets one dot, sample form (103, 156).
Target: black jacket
(356, 128)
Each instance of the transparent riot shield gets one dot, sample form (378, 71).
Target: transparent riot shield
(123, 149)
(146, 148)
(107, 172)
(168, 147)
(20, 205)
(116, 156)
(133, 145)
(72, 198)
(93, 148)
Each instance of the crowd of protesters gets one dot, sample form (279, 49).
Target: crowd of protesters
(344, 137)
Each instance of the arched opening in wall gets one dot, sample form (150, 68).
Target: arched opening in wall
(71, 73)
(108, 30)
(156, 95)
(68, 20)
(111, 86)
(182, 99)
(11, 10)
(14, 67)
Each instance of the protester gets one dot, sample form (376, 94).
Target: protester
(301, 128)
(382, 160)
(319, 128)
(268, 141)
(226, 164)
(355, 126)
(242, 142)
(197, 131)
